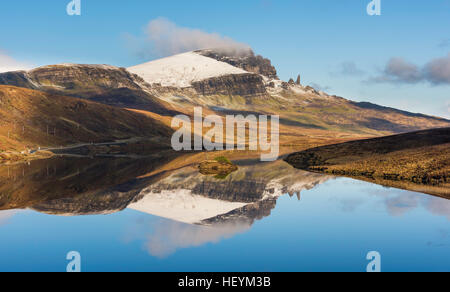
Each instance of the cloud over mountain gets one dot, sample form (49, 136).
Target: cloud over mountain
(164, 38)
(8, 63)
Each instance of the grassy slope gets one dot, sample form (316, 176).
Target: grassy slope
(25, 116)
(420, 157)
(308, 119)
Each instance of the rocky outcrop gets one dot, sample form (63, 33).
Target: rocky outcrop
(246, 60)
(241, 84)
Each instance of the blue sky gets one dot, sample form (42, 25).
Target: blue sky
(332, 44)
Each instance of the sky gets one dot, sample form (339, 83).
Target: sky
(399, 59)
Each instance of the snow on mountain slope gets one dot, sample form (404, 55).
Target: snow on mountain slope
(183, 69)
(182, 206)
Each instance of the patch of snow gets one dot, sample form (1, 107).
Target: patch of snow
(183, 69)
(99, 66)
(298, 89)
(182, 206)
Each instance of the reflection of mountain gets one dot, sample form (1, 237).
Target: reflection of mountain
(219, 209)
(82, 186)
(73, 185)
(245, 195)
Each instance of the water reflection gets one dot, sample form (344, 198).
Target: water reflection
(245, 195)
(180, 209)
(83, 186)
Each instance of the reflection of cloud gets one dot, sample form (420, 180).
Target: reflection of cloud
(170, 236)
(399, 202)
(439, 207)
(164, 237)
(164, 38)
(6, 215)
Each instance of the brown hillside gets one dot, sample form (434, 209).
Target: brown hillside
(30, 118)
(420, 157)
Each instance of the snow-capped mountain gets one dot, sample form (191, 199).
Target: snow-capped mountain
(224, 82)
(183, 70)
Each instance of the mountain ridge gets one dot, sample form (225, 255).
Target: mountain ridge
(207, 79)
(102, 83)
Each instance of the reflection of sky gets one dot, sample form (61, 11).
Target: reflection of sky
(332, 228)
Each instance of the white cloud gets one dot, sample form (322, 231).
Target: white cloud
(8, 63)
(164, 38)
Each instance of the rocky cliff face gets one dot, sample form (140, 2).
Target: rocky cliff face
(105, 84)
(249, 213)
(246, 60)
(242, 84)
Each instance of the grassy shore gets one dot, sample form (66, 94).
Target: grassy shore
(420, 158)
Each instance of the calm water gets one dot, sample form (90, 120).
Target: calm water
(264, 217)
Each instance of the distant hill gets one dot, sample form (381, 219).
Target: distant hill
(101, 83)
(31, 118)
